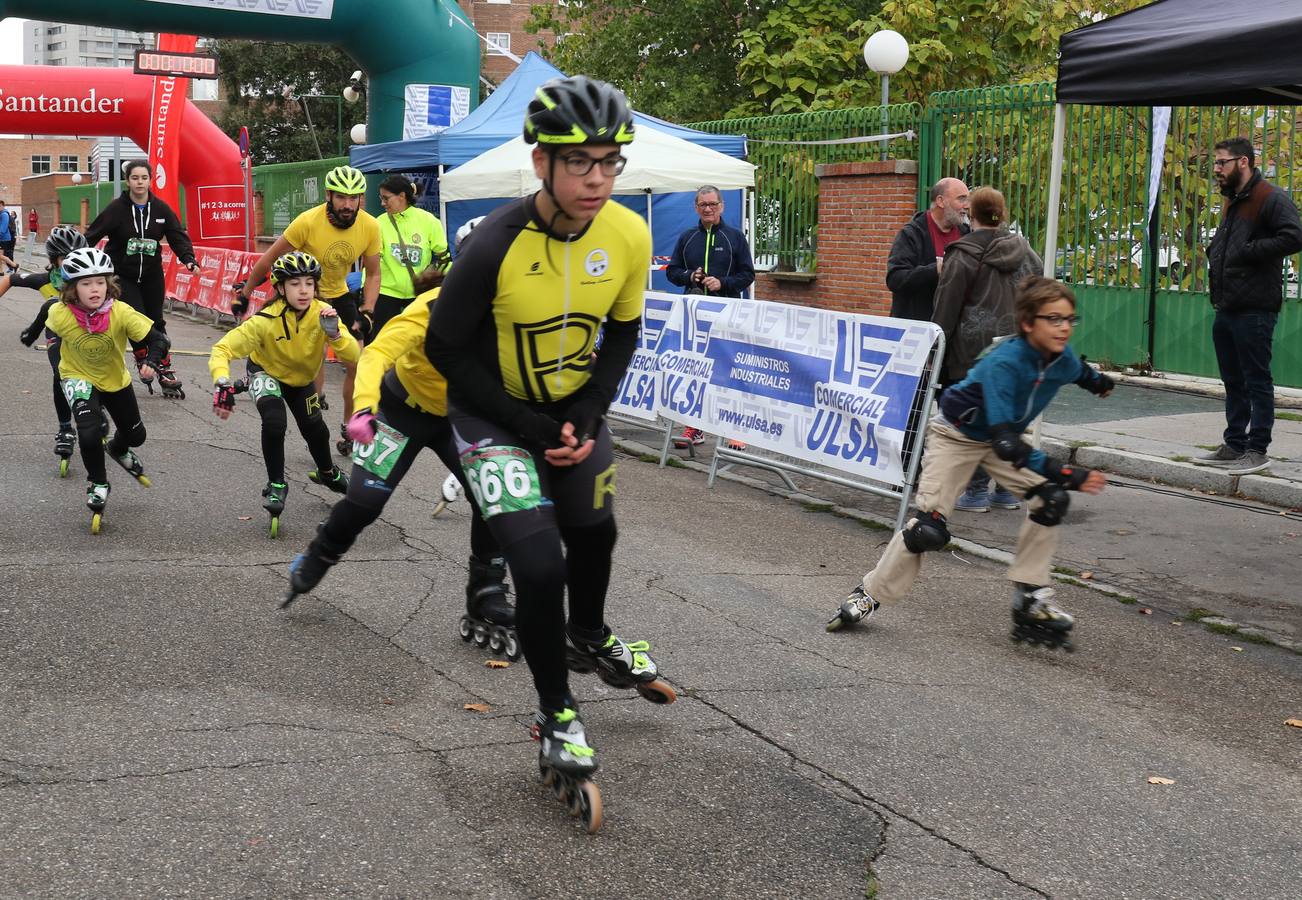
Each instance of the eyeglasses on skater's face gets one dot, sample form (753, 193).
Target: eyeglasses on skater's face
(581, 164)
(1227, 161)
(1055, 320)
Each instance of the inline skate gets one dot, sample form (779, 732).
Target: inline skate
(142, 360)
(1036, 621)
(490, 617)
(566, 763)
(96, 499)
(310, 566)
(619, 664)
(64, 442)
(857, 607)
(167, 380)
(332, 478)
(273, 501)
(131, 463)
(451, 493)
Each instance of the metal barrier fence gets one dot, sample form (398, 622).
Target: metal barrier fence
(786, 189)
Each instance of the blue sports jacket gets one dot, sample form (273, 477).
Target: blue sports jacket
(1011, 385)
(721, 252)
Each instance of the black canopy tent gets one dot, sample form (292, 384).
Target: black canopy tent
(1176, 53)
(1186, 53)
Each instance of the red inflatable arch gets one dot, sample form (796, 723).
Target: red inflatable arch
(98, 102)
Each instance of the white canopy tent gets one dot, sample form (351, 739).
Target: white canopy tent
(658, 163)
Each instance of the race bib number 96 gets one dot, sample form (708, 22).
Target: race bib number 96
(379, 456)
(76, 389)
(263, 385)
(503, 480)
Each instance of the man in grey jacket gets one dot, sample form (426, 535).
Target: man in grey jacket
(1259, 227)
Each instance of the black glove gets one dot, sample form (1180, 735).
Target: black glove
(29, 335)
(240, 305)
(362, 327)
(223, 397)
(1070, 477)
(1102, 385)
(537, 428)
(585, 414)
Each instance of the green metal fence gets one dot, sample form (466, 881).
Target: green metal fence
(786, 189)
(1138, 307)
(97, 195)
(288, 189)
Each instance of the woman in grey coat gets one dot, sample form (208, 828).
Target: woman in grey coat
(974, 306)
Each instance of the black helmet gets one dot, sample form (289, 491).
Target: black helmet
(295, 264)
(62, 240)
(578, 110)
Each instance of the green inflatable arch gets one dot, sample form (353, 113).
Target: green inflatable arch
(395, 42)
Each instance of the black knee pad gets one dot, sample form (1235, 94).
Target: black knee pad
(1055, 500)
(90, 427)
(925, 531)
(591, 540)
(537, 566)
(272, 411)
(135, 435)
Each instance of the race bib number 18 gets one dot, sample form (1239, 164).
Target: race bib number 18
(503, 479)
(379, 456)
(76, 389)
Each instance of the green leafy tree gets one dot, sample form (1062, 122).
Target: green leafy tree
(262, 83)
(676, 59)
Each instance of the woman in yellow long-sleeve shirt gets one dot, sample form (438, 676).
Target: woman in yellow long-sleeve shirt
(284, 342)
(401, 403)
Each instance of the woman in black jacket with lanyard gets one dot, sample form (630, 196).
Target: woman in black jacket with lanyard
(135, 224)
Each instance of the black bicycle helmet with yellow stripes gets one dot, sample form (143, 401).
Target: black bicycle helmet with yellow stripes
(578, 110)
(295, 264)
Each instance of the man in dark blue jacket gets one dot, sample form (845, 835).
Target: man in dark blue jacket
(712, 258)
(1259, 228)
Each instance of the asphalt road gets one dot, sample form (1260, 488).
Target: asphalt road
(168, 732)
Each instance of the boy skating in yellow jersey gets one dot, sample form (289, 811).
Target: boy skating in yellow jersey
(284, 342)
(93, 331)
(401, 403)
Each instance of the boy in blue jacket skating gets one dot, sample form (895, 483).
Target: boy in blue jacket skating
(981, 422)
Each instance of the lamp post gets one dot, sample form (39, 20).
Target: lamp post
(339, 118)
(886, 52)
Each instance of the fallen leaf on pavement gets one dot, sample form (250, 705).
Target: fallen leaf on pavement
(1237, 649)
(1087, 575)
(1175, 621)
(1158, 779)
(1296, 723)
(496, 663)
(1145, 611)
(245, 518)
(477, 707)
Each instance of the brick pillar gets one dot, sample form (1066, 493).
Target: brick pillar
(861, 207)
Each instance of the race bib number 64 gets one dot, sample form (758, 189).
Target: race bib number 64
(503, 479)
(76, 389)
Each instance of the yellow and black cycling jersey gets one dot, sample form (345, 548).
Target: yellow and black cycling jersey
(97, 357)
(287, 345)
(335, 248)
(401, 346)
(520, 312)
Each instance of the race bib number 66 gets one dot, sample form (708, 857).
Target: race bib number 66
(503, 479)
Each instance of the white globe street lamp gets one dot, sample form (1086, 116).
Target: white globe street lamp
(76, 178)
(358, 133)
(886, 52)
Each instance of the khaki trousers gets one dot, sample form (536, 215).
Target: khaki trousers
(950, 460)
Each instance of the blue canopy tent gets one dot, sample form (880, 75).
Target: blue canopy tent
(499, 118)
